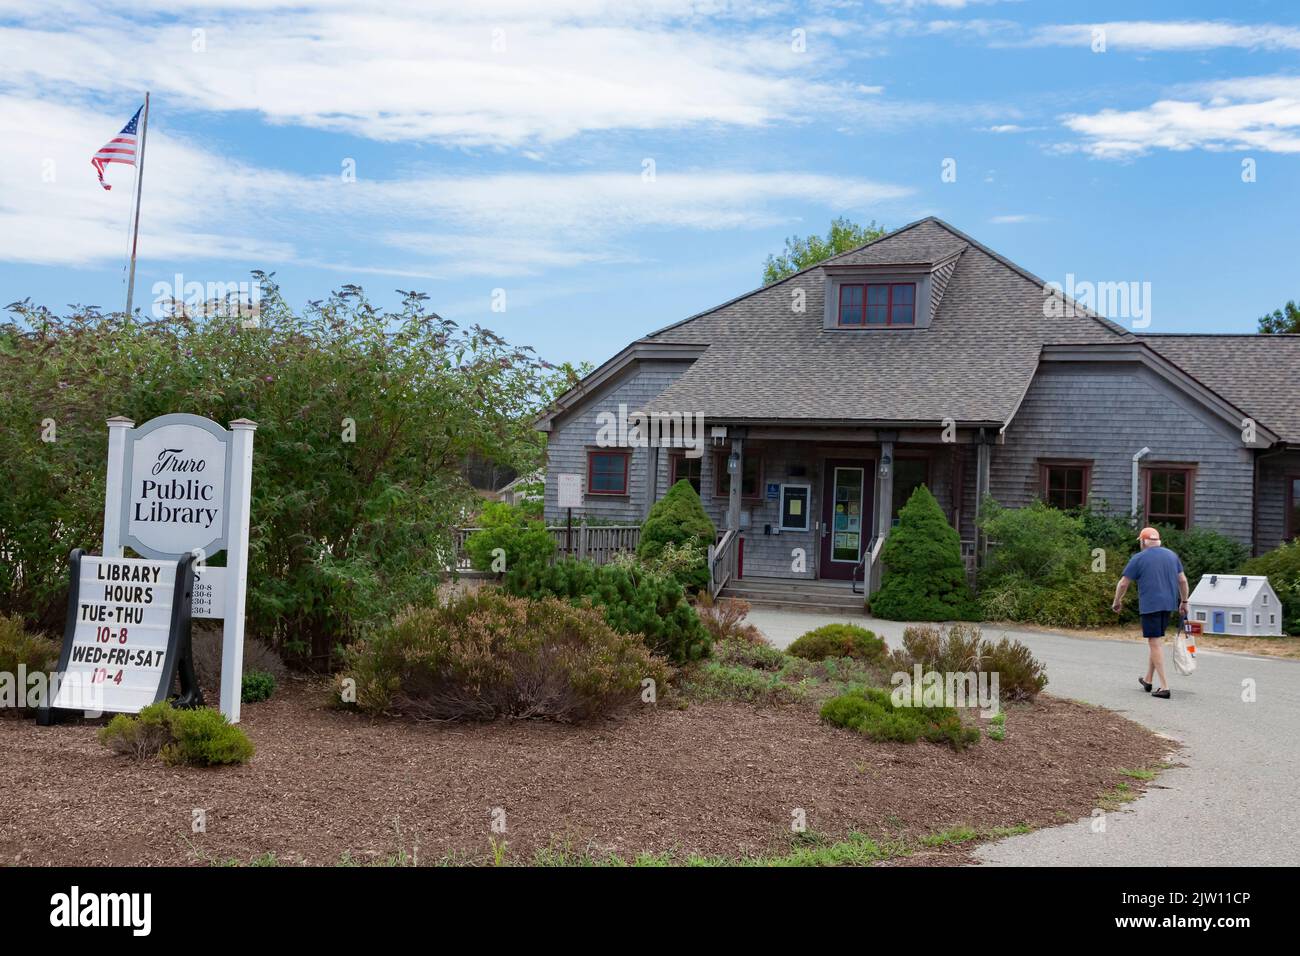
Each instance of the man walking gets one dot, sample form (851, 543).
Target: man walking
(1162, 588)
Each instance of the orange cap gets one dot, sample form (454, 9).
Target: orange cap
(1149, 534)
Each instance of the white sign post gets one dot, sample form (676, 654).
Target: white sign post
(181, 484)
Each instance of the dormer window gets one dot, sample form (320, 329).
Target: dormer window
(871, 304)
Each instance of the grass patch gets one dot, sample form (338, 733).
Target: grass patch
(714, 681)
(1138, 774)
(872, 712)
(997, 728)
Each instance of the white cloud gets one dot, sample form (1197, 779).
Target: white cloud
(1171, 35)
(502, 73)
(199, 204)
(1261, 113)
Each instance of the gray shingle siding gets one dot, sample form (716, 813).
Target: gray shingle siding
(575, 433)
(1106, 413)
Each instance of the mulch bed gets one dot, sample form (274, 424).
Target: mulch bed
(714, 778)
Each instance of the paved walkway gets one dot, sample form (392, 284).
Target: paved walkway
(1235, 802)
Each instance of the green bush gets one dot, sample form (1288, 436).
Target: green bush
(1082, 599)
(1203, 551)
(633, 601)
(18, 645)
(1282, 566)
(679, 518)
(962, 648)
(143, 735)
(1037, 543)
(743, 653)
(257, 686)
(507, 528)
(925, 577)
(201, 737)
(366, 420)
(1104, 529)
(714, 680)
(488, 655)
(872, 712)
(838, 640)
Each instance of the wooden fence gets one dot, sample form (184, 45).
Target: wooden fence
(598, 543)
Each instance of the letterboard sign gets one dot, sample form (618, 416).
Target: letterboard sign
(127, 635)
(177, 472)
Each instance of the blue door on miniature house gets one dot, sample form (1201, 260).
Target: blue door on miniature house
(1218, 622)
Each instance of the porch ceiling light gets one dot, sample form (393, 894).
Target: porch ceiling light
(733, 463)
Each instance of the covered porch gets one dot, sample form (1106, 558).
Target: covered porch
(815, 505)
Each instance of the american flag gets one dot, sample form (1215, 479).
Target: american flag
(119, 149)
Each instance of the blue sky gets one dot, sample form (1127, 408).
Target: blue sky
(502, 145)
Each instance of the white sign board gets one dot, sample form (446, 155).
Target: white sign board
(182, 484)
(177, 471)
(570, 491)
(116, 648)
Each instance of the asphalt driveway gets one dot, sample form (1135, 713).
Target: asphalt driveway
(1234, 803)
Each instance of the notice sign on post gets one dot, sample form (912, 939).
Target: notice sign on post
(127, 635)
(570, 491)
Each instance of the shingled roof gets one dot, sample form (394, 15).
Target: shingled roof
(1258, 373)
(766, 362)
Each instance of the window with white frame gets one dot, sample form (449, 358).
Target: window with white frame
(1237, 617)
(1200, 615)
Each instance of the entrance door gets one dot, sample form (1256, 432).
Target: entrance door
(846, 515)
(1218, 622)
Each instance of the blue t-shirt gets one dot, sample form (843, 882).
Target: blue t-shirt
(1155, 570)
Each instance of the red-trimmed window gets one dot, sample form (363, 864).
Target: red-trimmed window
(1065, 484)
(876, 304)
(1169, 496)
(1292, 506)
(607, 472)
(751, 481)
(686, 469)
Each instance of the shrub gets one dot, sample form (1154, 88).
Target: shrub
(838, 640)
(871, 711)
(257, 686)
(1204, 551)
(679, 518)
(201, 737)
(717, 681)
(925, 577)
(19, 646)
(962, 649)
(508, 529)
(724, 619)
(1037, 543)
(1102, 528)
(206, 645)
(743, 653)
(633, 601)
(143, 735)
(488, 655)
(1282, 566)
(1082, 599)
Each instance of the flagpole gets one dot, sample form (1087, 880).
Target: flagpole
(139, 183)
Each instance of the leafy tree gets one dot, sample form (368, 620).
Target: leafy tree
(804, 251)
(925, 578)
(1285, 319)
(679, 518)
(365, 419)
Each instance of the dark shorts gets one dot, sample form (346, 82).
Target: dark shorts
(1155, 624)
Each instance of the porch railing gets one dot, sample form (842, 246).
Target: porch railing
(723, 560)
(597, 543)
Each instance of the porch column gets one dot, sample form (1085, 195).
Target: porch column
(736, 478)
(885, 489)
(651, 481)
(982, 456)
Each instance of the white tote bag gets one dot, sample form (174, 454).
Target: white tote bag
(1183, 658)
